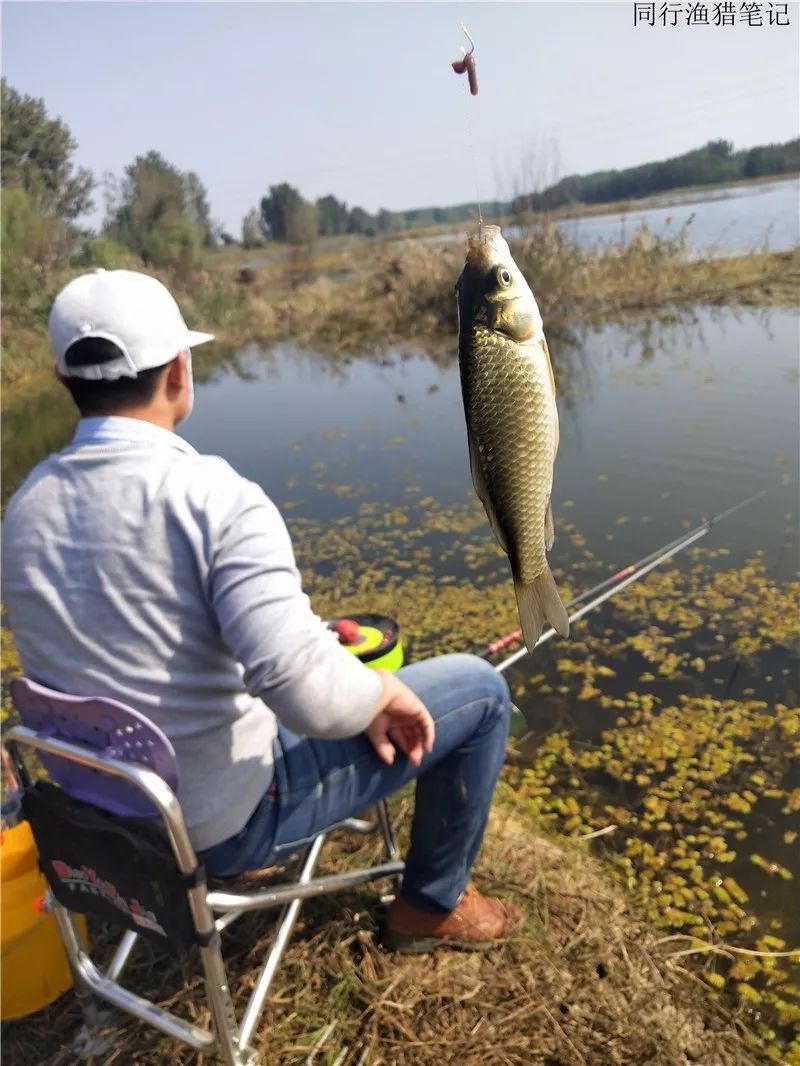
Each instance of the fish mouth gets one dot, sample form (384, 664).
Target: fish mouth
(486, 246)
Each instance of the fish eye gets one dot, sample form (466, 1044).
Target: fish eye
(503, 277)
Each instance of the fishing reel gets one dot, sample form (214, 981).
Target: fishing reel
(373, 638)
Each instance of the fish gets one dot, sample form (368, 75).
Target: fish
(509, 396)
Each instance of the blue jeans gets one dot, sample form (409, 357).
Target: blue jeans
(320, 782)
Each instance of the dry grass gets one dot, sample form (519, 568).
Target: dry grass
(584, 983)
(376, 295)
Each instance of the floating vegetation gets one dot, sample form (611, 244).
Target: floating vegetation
(673, 714)
(692, 776)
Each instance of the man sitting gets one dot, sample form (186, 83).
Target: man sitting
(139, 570)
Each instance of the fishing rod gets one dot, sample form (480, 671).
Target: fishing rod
(611, 585)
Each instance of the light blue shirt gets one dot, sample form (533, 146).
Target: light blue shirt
(115, 429)
(138, 569)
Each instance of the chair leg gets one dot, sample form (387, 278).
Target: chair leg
(382, 812)
(121, 955)
(88, 1040)
(226, 1028)
(286, 922)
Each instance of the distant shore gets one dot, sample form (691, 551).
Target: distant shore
(685, 194)
(277, 253)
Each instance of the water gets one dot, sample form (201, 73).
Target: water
(741, 219)
(669, 423)
(724, 221)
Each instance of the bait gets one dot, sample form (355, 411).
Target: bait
(467, 64)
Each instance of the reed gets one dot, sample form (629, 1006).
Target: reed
(372, 296)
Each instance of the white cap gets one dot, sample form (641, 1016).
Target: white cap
(134, 311)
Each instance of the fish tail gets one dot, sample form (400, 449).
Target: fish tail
(539, 602)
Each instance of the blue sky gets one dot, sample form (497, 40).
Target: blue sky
(359, 99)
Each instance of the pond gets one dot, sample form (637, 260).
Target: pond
(668, 423)
(663, 423)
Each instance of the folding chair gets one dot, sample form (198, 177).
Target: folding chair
(113, 842)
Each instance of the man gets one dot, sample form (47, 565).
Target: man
(137, 569)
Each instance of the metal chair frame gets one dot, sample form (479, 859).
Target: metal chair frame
(212, 912)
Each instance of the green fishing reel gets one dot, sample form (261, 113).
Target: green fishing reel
(373, 638)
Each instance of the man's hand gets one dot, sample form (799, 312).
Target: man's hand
(401, 721)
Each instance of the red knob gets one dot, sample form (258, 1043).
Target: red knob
(347, 631)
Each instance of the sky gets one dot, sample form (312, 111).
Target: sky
(360, 100)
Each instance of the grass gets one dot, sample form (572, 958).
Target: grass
(375, 295)
(583, 984)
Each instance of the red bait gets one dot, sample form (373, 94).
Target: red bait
(467, 64)
(472, 74)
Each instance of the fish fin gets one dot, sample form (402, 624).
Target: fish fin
(549, 362)
(538, 602)
(482, 491)
(549, 528)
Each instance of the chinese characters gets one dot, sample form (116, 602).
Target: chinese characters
(725, 13)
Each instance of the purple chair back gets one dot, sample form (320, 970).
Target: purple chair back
(110, 729)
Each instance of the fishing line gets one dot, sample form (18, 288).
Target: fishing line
(461, 66)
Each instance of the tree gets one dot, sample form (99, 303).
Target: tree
(359, 221)
(332, 215)
(150, 214)
(196, 207)
(252, 237)
(387, 221)
(302, 225)
(35, 155)
(276, 208)
(29, 239)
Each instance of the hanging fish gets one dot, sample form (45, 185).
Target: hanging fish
(512, 420)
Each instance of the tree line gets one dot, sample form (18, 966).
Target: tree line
(162, 215)
(284, 215)
(712, 164)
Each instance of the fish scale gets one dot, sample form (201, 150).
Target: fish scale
(506, 387)
(512, 420)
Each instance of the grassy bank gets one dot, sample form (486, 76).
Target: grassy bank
(365, 298)
(585, 982)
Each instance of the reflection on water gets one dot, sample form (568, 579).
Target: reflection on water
(665, 422)
(660, 426)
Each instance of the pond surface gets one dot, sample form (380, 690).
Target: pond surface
(668, 423)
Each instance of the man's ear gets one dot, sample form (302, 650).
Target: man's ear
(177, 372)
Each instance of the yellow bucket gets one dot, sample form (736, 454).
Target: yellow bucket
(34, 965)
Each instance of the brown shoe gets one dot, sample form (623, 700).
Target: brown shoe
(475, 924)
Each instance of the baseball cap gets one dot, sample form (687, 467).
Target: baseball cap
(132, 310)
